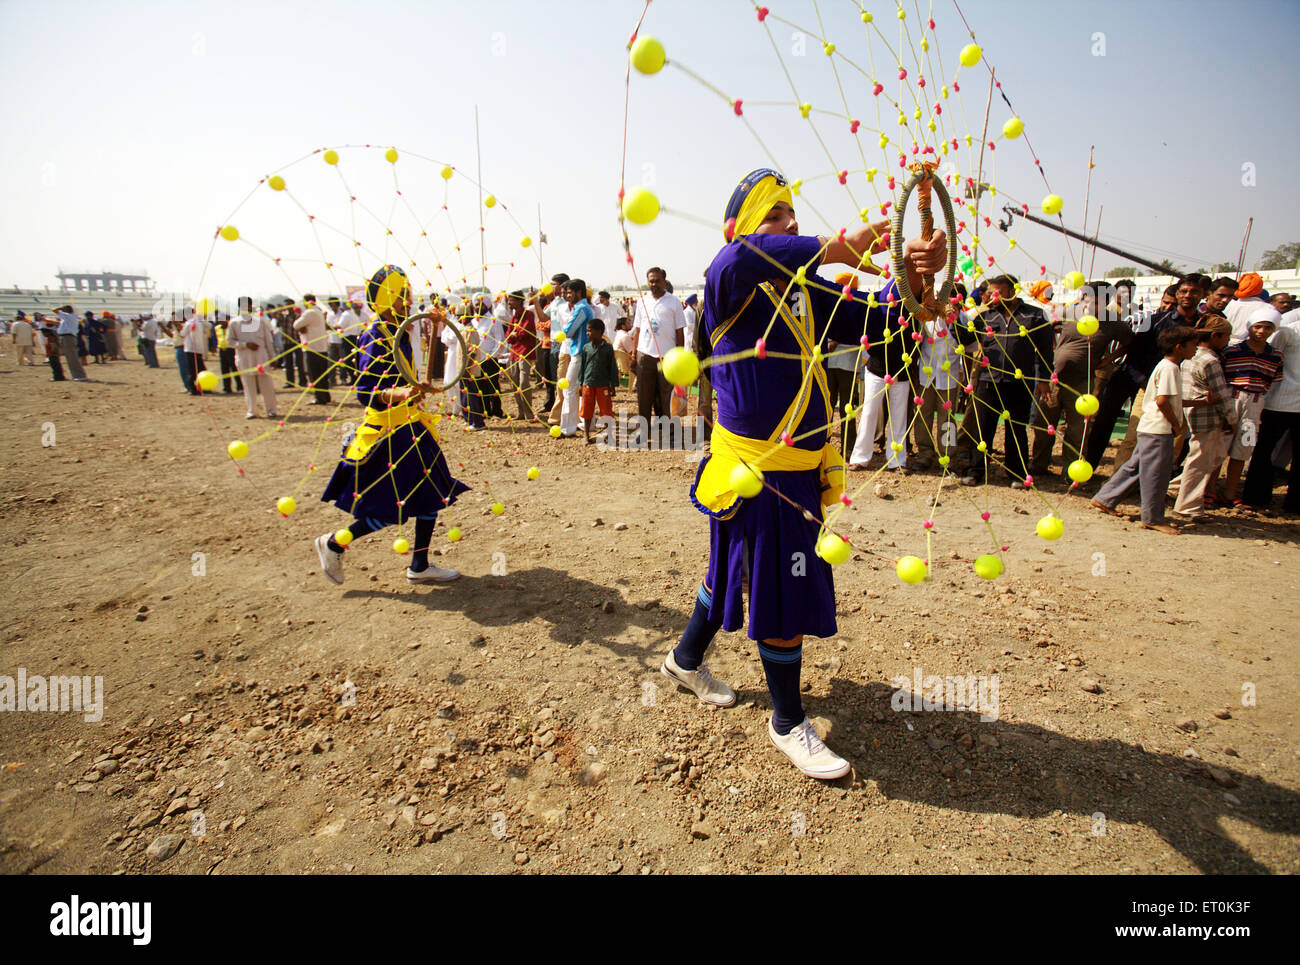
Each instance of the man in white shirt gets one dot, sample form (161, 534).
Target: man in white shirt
(350, 327)
(69, 325)
(660, 324)
(311, 328)
(1250, 287)
(492, 342)
(558, 311)
(333, 323)
(149, 333)
(692, 316)
(194, 343)
(1281, 414)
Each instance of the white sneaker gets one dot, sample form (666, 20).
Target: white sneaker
(432, 574)
(707, 687)
(331, 563)
(807, 752)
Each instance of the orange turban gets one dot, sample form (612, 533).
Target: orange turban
(1249, 284)
(846, 278)
(1038, 289)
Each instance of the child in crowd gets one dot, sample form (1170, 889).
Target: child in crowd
(1151, 464)
(52, 351)
(599, 376)
(625, 351)
(1251, 367)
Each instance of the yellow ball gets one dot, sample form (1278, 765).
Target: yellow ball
(400, 545)
(237, 449)
(1079, 470)
(988, 567)
(1052, 204)
(453, 534)
(286, 505)
(547, 288)
(562, 385)
(746, 481)
(490, 201)
(1074, 280)
(648, 55)
(833, 549)
(525, 242)
(1013, 128)
(207, 381)
(681, 366)
(446, 172)
(970, 55)
(533, 472)
(1088, 325)
(911, 569)
(1050, 527)
(498, 509)
(205, 307)
(640, 206)
(555, 432)
(276, 182)
(391, 155)
(343, 537)
(331, 156)
(230, 233)
(1087, 404)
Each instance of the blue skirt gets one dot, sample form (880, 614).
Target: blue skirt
(418, 478)
(791, 589)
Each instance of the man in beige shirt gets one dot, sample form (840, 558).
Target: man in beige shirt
(311, 326)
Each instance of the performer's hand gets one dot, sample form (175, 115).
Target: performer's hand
(926, 258)
(1045, 392)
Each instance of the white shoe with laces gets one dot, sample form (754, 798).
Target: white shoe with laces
(707, 687)
(331, 563)
(431, 574)
(807, 752)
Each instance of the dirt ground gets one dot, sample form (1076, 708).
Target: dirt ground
(258, 718)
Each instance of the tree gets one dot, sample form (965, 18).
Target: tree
(1280, 258)
(1128, 271)
(1224, 268)
(1167, 267)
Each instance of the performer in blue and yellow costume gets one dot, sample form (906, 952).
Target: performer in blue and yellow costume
(774, 414)
(393, 467)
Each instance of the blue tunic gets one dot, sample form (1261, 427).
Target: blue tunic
(768, 544)
(418, 477)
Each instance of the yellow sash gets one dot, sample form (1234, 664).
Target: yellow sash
(381, 422)
(713, 492)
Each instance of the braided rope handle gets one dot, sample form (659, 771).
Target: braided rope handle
(921, 175)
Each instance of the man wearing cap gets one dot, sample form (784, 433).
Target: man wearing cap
(766, 310)
(1251, 366)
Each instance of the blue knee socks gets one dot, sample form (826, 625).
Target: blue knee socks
(699, 633)
(783, 665)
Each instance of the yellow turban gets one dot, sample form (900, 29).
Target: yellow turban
(754, 198)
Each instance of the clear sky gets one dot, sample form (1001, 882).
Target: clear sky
(135, 128)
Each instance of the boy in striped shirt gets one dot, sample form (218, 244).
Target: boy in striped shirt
(1251, 367)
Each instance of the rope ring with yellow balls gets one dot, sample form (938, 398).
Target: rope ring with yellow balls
(404, 367)
(923, 176)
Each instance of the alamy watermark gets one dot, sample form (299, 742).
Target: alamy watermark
(920, 692)
(83, 695)
(659, 432)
